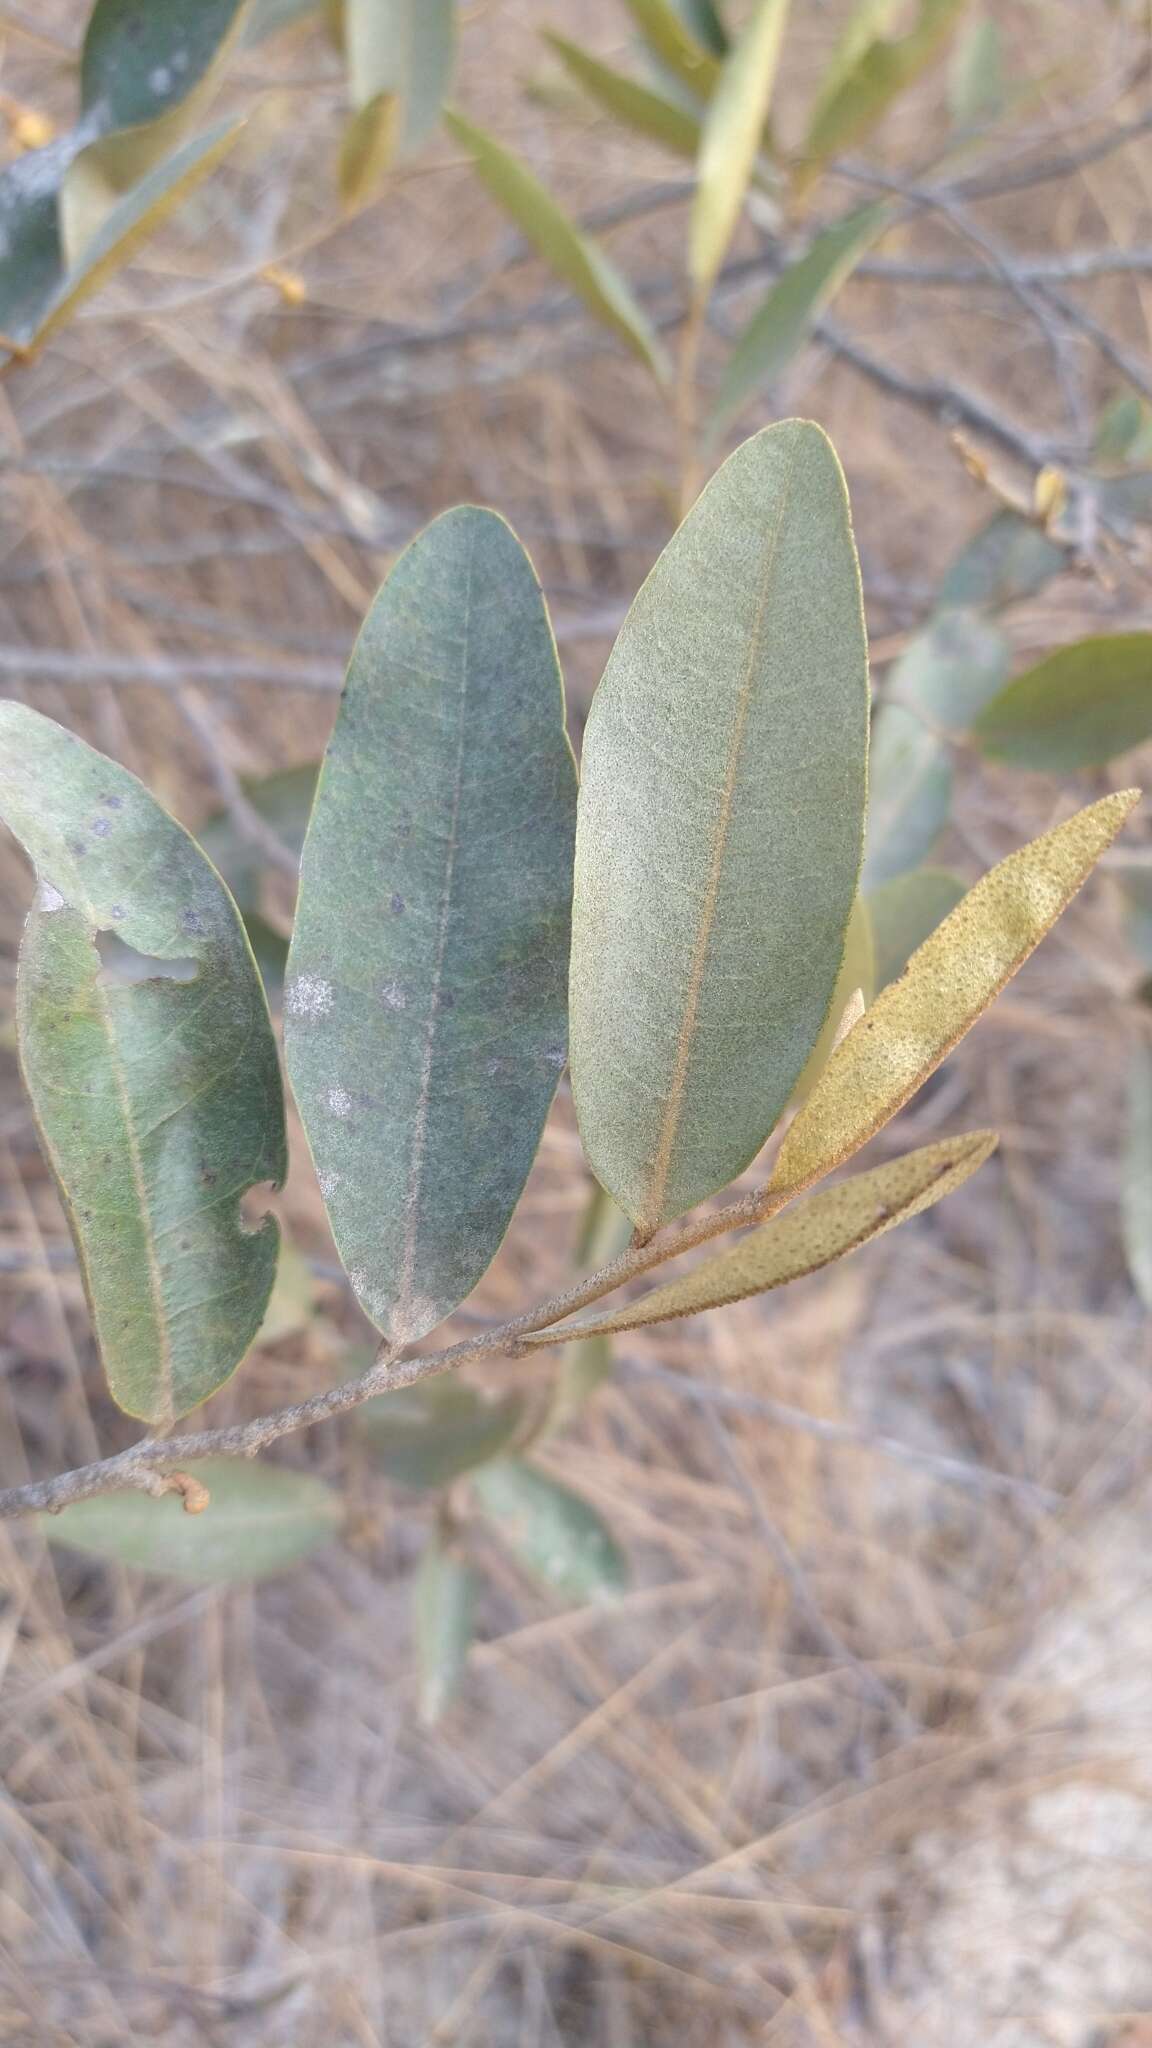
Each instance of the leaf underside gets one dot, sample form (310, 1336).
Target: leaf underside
(260, 1518)
(826, 1227)
(720, 827)
(158, 1100)
(426, 990)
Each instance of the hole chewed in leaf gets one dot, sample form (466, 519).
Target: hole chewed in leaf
(121, 966)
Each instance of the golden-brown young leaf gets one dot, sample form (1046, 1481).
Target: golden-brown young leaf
(836, 1221)
(949, 980)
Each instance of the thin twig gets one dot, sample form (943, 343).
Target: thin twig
(133, 1467)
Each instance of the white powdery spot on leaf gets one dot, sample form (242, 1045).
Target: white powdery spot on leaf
(48, 899)
(339, 1102)
(309, 996)
(328, 1181)
(160, 80)
(393, 996)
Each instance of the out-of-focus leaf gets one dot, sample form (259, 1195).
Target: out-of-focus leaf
(857, 976)
(558, 1536)
(782, 324)
(367, 150)
(1126, 501)
(32, 264)
(641, 109)
(284, 800)
(905, 911)
(406, 49)
(425, 999)
(732, 136)
(861, 91)
(977, 82)
(158, 1100)
(270, 952)
(259, 1519)
(826, 1227)
(444, 1605)
(911, 793)
(1124, 430)
(1135, 878)
(428, 1434)
(1136, 1197)
(1008, 559)
(703, 21)
(663, 29)
(868, 22)
(719, 829)
(941, 681)
(914, 1022)
(574, 258)
(1075, 709)
(293, 1297)
(586, 1365)
(130, 222)
(140, 60)
(266, 18)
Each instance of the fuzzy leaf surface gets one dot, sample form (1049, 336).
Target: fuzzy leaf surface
(915, 1022)
(719, 832)
(826, 1227)
(426, 989)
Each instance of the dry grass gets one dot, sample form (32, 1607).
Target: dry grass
(864, 1756)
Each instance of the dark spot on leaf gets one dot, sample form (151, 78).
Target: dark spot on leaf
(114, 803)
(77, 848)
(208, 1176)
(397, 905)
(445, 1000)
(118, 911)
(101, 827)
(191, 921)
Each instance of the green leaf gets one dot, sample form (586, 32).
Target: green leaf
(860, 91)
(141, 59)
(292, 1301)
(1136, 1196)
(158, 1099)
(663, 28)
(259, 1519)
(826, 1227)
(647, 112)
(572, 256)
(404, 48)
(284, 800)
(1078, 708)
(911, 793)
(732, 137)
(782, 323)
(1008, 559)
(428, 1434)
(444, 1604)
(425, 1001)
(977, 83)
(1124, 430)
(719, 831)
(32, 264)
(915, 1022)
(703, 21)
(857, 977)
(941, 681)
(560, 1539)
(270, 952)
(1135, 878)
(368, 150)
(905, 911)
(130, 222)
(585, 1366)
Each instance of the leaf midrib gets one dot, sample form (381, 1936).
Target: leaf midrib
(685, 1037)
